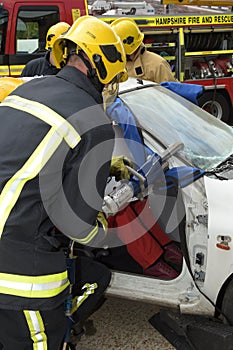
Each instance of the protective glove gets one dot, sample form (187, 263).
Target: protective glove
(109, 94)
(119, 169)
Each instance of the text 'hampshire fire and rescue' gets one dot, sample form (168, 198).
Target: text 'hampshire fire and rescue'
(192, 20)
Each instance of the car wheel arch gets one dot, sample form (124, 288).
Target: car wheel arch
(224, 309)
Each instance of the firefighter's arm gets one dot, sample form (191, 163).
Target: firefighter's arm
(94, 234)
(85, 173)
(92, 226)
(165, 72)
(118, 168)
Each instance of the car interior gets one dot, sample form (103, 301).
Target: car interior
(144, 236)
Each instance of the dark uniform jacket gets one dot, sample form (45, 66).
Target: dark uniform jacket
(39, 66)
(67, 193)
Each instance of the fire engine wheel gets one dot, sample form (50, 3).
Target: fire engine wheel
(227, 304)
(218, 107)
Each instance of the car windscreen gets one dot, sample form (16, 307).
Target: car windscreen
(171, 118)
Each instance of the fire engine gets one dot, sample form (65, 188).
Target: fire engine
(121, 7)
(23, 28)
(198, 2)
(199, 49)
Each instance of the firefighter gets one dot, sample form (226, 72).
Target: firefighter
(45, 65)
(141, 63)
(56, 145)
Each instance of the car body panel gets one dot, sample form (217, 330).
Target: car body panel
(220, 261)
(208, 201)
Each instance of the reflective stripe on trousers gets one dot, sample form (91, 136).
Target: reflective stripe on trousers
(32, 329)
(36, 329)
(78, 300)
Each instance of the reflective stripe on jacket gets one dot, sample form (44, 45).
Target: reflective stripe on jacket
(39, 147)
(60, 129)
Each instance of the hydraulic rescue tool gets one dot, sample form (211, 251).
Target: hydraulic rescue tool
(139, 181)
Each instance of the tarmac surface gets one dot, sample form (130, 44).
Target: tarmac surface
(123, 325)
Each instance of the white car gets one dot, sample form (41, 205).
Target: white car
(205, 284)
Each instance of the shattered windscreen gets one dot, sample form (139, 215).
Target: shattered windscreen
(171, 118)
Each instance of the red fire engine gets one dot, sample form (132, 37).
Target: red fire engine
(199, 49)
(23, 28)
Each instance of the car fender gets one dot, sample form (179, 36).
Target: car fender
(220, 208)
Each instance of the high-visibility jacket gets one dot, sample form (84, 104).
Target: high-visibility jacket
(55, 150)
(149, 66)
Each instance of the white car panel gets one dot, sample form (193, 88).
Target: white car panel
(167, 118)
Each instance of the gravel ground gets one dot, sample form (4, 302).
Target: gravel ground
(123, 325)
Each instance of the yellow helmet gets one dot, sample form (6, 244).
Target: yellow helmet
(99, 42)
(54, 32)
(129, 33)
(7, 85)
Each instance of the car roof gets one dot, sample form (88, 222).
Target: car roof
(133, 84)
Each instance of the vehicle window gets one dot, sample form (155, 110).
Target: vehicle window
(3, 30)
(32, 26)
(171, 118)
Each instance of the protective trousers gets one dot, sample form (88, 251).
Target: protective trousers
(29, 330)
(45, 330)
(92, 279)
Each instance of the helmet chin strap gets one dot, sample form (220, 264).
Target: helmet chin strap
(91, 74)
